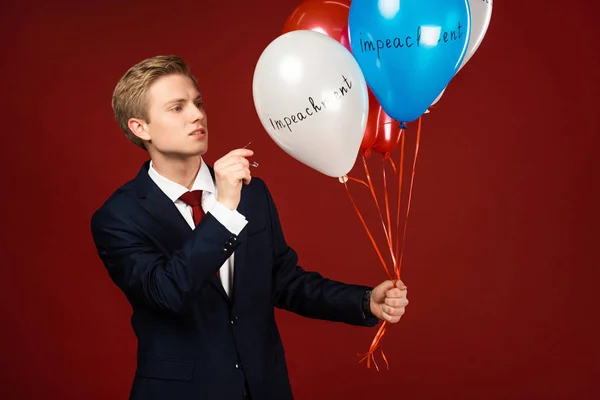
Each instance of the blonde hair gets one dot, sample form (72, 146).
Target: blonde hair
(130, 98)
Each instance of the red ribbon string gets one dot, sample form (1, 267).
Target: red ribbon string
(396, 251)
(400, 175)
(387, 212)
(412, 179)
(385, 267)
(370, 355)
(388, 233)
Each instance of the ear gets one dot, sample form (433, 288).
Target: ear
(139, 128)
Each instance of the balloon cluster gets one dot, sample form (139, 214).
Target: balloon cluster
(346, 76)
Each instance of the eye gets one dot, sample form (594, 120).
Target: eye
(199, 104)
(176, 108)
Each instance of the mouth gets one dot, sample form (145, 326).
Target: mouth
(198, 132)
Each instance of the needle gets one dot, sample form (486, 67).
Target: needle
(252, 163)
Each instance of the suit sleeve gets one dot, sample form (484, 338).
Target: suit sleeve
(308, 293)
(147, 275)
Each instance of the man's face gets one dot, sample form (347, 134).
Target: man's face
(178, 125)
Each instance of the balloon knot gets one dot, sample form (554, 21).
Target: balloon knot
(343, 179)
(402, 125)
(367, 153)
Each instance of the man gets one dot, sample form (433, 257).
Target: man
(201, 257)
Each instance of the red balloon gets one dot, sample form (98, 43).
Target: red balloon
(382, 133)
(345, 39)
(388, 130)
(326, 16)
(330, 17)
(371, 128)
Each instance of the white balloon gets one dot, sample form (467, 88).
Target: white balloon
(439, 97)
(481, 15)
(312, 99)
(436, 100)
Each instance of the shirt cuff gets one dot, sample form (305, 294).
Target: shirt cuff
(232, 220)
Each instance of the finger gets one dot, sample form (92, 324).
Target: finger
(230, 161)
(396, 293)
(401, 285)
(226, 160)
(234, 174)
(387, 317)
(387, 285)
(394, 311)
(392, 302)
(390, 318)
(396, 302)
(244, 175)
(230, 173)
(247, 176)
(235, 166)
(238, 173)
(240, 153)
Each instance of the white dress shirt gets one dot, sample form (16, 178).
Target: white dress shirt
(233, 221)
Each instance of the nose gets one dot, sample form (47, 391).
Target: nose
(197, 114)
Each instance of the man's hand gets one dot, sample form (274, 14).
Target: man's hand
(230, 171)
(388, 302)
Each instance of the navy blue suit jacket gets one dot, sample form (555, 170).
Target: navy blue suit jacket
(194, 341)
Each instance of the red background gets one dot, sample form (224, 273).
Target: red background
(501, 257)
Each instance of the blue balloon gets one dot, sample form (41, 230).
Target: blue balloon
(408, 50)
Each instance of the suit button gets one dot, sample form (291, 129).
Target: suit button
(237, 366)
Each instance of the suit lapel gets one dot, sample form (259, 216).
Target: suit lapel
(162, 209)
(168, 218)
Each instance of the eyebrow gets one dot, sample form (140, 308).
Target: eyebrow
(175, 101)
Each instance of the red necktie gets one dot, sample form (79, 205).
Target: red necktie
(194, 200)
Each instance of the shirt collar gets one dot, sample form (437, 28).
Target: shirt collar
(174, 190)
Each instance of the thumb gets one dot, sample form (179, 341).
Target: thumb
(400, 285)
(385, 286)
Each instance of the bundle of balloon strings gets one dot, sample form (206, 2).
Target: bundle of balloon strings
(394, 246)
